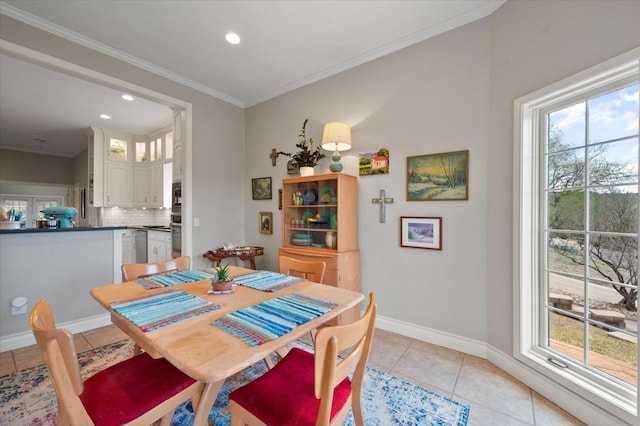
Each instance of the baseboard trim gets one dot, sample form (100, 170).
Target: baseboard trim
(582, 409)
(20, 340)
(437, 337)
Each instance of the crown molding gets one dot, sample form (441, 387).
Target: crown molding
(82, 40)
(480, 12)
(485, 10)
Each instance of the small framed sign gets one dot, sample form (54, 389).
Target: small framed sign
(421, 232)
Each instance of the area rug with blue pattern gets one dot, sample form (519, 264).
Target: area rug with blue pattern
(27, 397)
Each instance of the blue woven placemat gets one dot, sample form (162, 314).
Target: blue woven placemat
(268, 281)
(269, 320)
(172, 278)
(157, 310)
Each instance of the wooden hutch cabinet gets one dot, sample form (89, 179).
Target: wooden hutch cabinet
(320, 222)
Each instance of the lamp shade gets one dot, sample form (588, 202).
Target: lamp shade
(336, 136)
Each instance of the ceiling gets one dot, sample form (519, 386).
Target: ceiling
(284, 45)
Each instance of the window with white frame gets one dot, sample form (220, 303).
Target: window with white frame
(30, 207)
(576, 244)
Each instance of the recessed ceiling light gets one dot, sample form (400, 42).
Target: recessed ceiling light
(127, 97)
(105, 116)
(232, 38)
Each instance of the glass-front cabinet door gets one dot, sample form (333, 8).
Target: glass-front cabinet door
(141, 152)
(117, 149)
(314, 209)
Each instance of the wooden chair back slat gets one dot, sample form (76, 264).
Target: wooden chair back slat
(312, 271)
(133, 271)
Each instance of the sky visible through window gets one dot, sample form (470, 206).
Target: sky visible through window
(611, 116)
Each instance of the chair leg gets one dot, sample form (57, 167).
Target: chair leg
(356, 407)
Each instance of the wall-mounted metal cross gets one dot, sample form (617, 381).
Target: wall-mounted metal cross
(382, 201)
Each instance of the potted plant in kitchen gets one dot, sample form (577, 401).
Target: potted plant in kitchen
(308, 156)
(222, 280)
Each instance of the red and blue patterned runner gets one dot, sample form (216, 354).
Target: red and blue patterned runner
(172, 278)
(268, 281)
(274, 318)
(155, 311)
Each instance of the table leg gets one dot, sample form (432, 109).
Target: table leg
(208, 397)
(251, 259)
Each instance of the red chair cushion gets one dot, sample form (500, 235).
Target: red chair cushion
(129, 389)
(284, 395)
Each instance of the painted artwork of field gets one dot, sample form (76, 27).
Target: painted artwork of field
(420, 232)
(438, 177)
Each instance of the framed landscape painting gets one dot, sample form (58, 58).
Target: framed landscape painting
(421, 232)
(261, 188)
(438, 177)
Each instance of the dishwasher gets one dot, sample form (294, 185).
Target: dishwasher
(141, 246)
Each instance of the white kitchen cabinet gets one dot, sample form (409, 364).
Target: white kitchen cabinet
(149, 185)
(158, 246)
(141, 177)
(178, 142)
(127, 173)
(118, 187)
(156, 184)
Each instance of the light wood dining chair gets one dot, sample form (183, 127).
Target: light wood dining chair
(310, 270)
(139, 390)
(312, 389)
(133, 271)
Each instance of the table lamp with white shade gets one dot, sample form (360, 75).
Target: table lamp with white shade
(336, 137)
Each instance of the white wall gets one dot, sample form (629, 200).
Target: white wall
(429, 98)
(453, 92)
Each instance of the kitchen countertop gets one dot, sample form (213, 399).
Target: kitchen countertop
(48, 230)
(161, 228)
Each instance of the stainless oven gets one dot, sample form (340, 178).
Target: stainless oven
(176, 239)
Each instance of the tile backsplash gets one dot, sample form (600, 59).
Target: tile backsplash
(132, 217)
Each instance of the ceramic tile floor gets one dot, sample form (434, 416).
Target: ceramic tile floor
(495, 397)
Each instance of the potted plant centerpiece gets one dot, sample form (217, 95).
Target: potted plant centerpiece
(308, 156)
(222, 280)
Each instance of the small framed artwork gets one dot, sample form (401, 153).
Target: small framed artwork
(421, 232)
(265, 222)
(438, 177)
(280, 199)
(374, 163)
(261, 188)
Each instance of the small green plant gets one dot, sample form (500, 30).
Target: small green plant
(222, 274)
(309, 156)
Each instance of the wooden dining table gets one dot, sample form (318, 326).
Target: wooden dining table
(208, 353)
